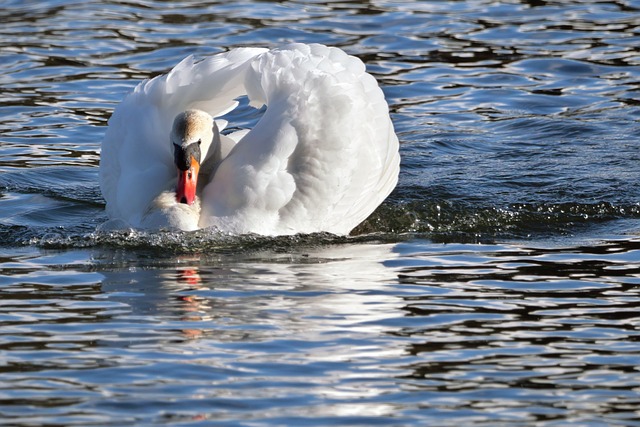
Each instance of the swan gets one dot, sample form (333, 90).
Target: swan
(321, 158)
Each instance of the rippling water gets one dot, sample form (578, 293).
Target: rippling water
(498, 285)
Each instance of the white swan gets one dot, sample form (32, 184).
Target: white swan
(323, 156)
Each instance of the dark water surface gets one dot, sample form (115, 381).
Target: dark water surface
(498, 285)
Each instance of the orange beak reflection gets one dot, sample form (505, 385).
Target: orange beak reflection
(187, 183)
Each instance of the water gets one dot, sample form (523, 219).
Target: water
(498, 285)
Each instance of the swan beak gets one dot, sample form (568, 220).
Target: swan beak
(187, 183)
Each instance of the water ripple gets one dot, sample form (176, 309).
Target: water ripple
(481, 334)
(518, 121)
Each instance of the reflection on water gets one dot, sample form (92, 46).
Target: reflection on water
(475, 333)
(249, 289)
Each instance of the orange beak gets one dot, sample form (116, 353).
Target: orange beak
(187, 183)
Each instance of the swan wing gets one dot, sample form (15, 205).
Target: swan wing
(136, 161)
(323, 156)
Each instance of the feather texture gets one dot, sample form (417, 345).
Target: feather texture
(323, 156)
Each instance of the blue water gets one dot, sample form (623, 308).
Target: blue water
(498, 285)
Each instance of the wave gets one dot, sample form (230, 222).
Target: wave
(446, 220)
(39, 208)
(440, 221)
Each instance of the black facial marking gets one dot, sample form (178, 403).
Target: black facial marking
(182, 155)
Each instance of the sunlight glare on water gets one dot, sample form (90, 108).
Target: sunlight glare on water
(498, 284)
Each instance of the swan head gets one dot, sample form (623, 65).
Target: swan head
(191, 136)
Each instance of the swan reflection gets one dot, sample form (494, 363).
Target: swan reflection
(334, 291)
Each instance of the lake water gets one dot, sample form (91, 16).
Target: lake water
(498, 285)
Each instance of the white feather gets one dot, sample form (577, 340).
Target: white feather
(322, 158)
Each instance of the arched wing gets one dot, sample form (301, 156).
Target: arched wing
(323, 156)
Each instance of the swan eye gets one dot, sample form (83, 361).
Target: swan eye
(182, 155)
(178, 156)
(199, 141)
